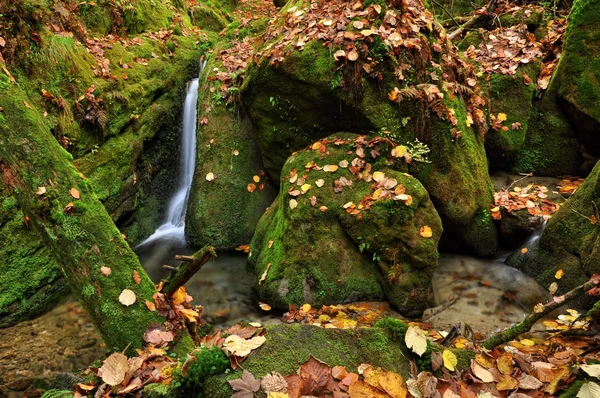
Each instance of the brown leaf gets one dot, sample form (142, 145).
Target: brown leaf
(316, 376)
(136, 277)
(74, 193)
(113, 369)
(244, 332)
(245, 386)
(150, 305)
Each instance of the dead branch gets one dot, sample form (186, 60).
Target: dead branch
(189, 267)
(524, 326)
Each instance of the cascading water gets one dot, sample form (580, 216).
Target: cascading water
(172, 229)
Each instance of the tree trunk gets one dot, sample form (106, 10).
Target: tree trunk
(72, 222)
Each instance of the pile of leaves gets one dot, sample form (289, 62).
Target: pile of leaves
(237, 342)
(504, 49)
(568, 185)
(532, 198)
(316, 378)
(341, 316)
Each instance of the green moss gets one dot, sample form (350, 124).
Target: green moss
(288, 346)
(209, 362)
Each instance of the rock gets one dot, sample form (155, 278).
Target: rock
(577, 76)
(224, 211)
(289, 346)
(297, 97)
(312, 254)
(569, 241)
(517, 226)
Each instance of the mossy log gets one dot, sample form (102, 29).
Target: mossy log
(189, 267)
(72, 222)
(526, 324)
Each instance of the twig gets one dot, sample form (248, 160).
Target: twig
(524, 326)
(191, 265)
(472, 21)
(442, 308)
(520, 179)
(169, 267)
(446, 11)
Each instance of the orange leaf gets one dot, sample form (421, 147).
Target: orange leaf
(425, 231)
(75, 193)
(136, 277)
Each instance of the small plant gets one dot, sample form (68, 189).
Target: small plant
(201, 363)
(418, 151)
(273, 101)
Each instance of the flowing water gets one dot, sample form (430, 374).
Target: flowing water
(172, 230)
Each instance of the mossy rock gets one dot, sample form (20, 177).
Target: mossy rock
(208, 18)
(289, 346)
(224, 212)
(577, 76)
(457, 8)
(509, 94)
(298, 100)
(569, 242)
(317, 255)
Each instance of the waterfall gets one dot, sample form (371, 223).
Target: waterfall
(173, 227)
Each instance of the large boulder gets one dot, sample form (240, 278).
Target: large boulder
(305, 87)
(577, 76)
(223, 210)
(347, 227)
(569, 242)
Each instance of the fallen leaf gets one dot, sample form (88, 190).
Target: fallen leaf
(589, 390)
(41, 191)
(592, 370)
(450, 360)
(256, 178)
(274, 383)
(74, 193)
(150, 305)
(114, 368)
(264, 306)
(242, 347)
(210, 177)
(127, 297)
(179, 296)
(425, 231)
(105, 271)
(481, 373)
(353, 55)
(293, 204)
(251, 187)
(245, 386)
(136, 277)
(378, 176)
(559, 274)
(416, 340)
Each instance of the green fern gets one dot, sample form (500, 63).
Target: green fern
(56, 393)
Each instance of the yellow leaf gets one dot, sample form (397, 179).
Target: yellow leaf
(331, 168)
(306, 307)
(559, 274)
(527, 342)
(305, 187)
(450, 360)
(378, 176)
(210, 177)
(277, 395)
(179, 296)
(190, 315)
(399, 151)
(256, 178)
(425, 231)
(377, 193)
(539, 307)
(502, 117)
(264, 306)
(393, 384)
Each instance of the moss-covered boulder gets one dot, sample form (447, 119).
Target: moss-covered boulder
(569, 242)
(345, 227)
(223, 210)
(577, 76)
(511, 95)
(299, 91)
(289, 346)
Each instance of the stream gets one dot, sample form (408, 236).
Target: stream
(484, 293)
